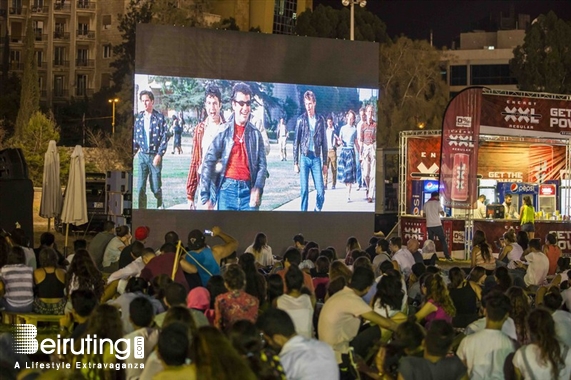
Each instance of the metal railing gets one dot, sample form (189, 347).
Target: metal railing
(80, 62)
(15, 10)
(61, 7)
(86, 5)
(39, 8)
(61, 63)
(85, 34)
(61, 35)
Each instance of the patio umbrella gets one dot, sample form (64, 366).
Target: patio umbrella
(75, 202)
(50, 206)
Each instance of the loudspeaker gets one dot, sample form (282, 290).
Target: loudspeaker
(13, 164)
(16, 205)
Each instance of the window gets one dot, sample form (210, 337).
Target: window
(458, 75)
(39, 57)
(15, 59)
(58, 85)
(59, 29)
(491, 75)
(81, 57)
(284, 16)
(106, 21)
(107, 50)
(81, 85)
(82, 29)
(59, 56)
(38, 29)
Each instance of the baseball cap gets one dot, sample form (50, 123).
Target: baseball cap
(299, 239)
(142, 232)
(196, 240)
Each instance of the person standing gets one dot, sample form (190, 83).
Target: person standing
(177, 132)
(480, 211)
(204, 133)
(368, 136)
(347, 159)
(509, 210)
(235, 168)
(527, 217)
(432, 211)
(150, 142)
(282, 139)
(362, 120)
(310, 151)
(332, 142)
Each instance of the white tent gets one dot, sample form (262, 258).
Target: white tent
(75, 201)
(50, 206)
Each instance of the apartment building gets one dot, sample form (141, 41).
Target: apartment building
(73, 43)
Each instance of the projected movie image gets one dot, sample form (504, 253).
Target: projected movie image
(207, 144)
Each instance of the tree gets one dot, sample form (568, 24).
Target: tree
(30, 93)
(412, 89)
(543, 62)
(333, 23)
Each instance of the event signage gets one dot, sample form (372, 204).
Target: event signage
(460, 131)
(522, 116)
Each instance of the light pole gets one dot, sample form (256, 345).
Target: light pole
(113, 102)
(351, 3)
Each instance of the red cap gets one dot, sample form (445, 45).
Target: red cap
(141, 233)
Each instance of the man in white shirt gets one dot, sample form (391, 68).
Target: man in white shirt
(509, 210)
(402, 258)
(340, 318)
(480, 211)
(432, 211)
(301, 358)
(537, 265)
(484, 353)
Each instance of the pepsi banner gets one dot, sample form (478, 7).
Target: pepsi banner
(523, 116)
(459, 158)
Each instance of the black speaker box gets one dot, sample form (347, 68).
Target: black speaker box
(13, 164)
(16, 205)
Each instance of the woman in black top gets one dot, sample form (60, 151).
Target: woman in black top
(50, 284)
(465, 296)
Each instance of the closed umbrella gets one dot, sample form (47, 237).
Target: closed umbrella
(50, 206)
(75, 201)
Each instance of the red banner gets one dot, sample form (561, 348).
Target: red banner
(415, 227)
(523, 116)
(495, 229)
(423, 161)
(459, 163)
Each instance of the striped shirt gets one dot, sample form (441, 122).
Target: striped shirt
(368, 133)
(19, 284)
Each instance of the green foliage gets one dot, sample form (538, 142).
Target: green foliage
(543, 62)
(34, 143)
(327, 22)
(412, 89)
(30, 93)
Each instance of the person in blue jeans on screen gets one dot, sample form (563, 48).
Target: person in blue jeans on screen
(310, 151)
(235, 168)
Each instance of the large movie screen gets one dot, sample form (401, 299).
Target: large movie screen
(209, 144)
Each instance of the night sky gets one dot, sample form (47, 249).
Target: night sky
(447, 19)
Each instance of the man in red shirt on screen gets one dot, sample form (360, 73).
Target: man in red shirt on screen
(235, 169)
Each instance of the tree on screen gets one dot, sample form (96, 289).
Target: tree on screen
(412, 90)
(543, 62)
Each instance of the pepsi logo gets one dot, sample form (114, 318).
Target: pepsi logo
(431, 186)
(513, 187)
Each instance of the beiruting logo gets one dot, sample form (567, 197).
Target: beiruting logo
(25, 342)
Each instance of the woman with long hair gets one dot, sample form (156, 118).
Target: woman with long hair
(522, 238)
(545, 357)
(511, 250)
(215, 287)
(339, 276)
(261, 250)
(49, 281)
(246, 339)
(83, 274)
(255, 281)
(388, 299)
(438, 305)
(105, 322)
(527, 217)
(482, 252)
(352, 244)
(216, 359)
(466, 296)
(520, 308)
(275, 289)
(552, 251)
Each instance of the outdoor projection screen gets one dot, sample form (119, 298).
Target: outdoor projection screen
(178, 64)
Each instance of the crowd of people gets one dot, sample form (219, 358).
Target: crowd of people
(384, 311)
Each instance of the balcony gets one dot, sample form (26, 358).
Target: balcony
(61, 36)
(85, 34)
(60, 8)
(60, 93)
(80, 62)
(86, 5)
(17, 39)
(61, 63)
(15, 10)
(39, 9)
(84, 92)
(39, 36)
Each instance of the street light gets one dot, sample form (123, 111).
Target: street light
(113, 101)
(351, 3)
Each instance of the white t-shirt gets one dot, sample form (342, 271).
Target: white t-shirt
(485, 353)
(432, 210)
(300, 310)
(537, 269)
(308, 359)
(562, 321)
(539, 370)
(508, 327)
(264, 257)
(405, 260)
(514, 254)
(210, 132)
(339, 320)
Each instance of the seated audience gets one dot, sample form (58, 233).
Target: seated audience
(110, 262)
(537, 266)
(173, 350)
(438, 305)
(135, 249)
(299, 306)
(198, 302)
(49, 282)
(466, 296)
(17, 278)
(320, 277)
(163, 264)
(482, 252)
(141, 315)
(552, 251)
(261, 250)
(83, 303)
(293, 257)
(519, 310)
(255, 281)
(402, 259)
